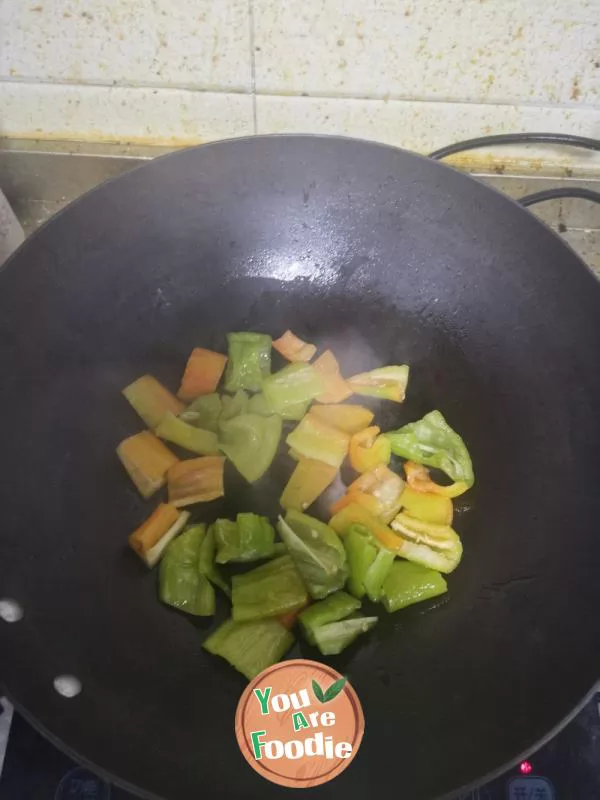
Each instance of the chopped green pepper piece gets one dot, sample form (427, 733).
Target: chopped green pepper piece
(334, 608)
(257, 536)
(250, 538)
(180, 583)
(257, 404)
(331, 639)
(227, 540)
(206, 559)
(175, 430)
(233, 406)
(377, 573)
(431, 441)
(361, 551)
(249, 361)
(250, 647)
(250, 443)
(317, 551)
(267, 591)
(292, 387)
(203, 412)
(409, 583)
(296, 412)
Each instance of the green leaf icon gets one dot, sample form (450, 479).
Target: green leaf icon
(318, 692)
(331, 693)
(334, 690)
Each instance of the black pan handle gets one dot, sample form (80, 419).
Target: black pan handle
(554, 194)
(517, 138)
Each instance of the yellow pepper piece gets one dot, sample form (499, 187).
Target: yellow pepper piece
(345, 416)
(151, 400)
(385, 486)
(355, 513)
(368, 449)
(427, 506)
(307, 482)
(418, 479)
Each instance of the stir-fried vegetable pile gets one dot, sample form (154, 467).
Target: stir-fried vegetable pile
(389, 537)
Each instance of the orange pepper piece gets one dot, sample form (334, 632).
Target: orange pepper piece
(202, 374)
(417, 477)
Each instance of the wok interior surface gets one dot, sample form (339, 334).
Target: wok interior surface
(387, 258)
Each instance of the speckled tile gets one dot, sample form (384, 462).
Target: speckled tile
(153, 116)
(586, 243)
(425, 126)
(504, 51)
(188, 43)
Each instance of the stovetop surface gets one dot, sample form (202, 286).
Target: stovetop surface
(567, 768)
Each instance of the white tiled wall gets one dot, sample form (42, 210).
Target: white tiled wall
(417, 73)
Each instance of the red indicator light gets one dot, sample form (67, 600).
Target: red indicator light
(525, 767)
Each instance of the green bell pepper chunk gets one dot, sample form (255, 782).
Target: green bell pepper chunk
(294, 413)
(293, 386)
(250, 442)
(249, 361)
(361, 551)
(257, 536)
(233, 406)
(267, 591)
(368, 562)
(431, 441)
(250, 538)
(331, 639)
(227, 540)
(334, 608)
(258, 404)
(409, 583)
(181, 584)
(203, 412)
(377, 573)
(250, 647)
(175, 430)
(317, 551)
(206, 562)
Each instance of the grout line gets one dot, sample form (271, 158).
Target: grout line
(252, 65)
(387, 98)
(236, 90)
(164, 87)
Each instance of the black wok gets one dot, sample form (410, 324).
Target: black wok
(386, 257)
